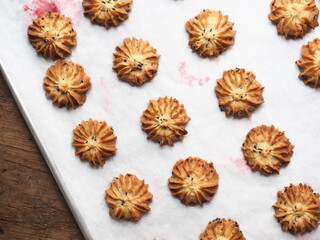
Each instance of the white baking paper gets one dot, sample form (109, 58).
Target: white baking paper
(244, 196)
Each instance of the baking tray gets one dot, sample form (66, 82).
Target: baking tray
(243, 196)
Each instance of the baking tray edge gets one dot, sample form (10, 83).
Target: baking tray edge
(53, 168)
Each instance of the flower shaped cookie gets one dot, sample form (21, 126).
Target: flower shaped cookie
(210, 33)
(136, 61)
(107, 12)
(239, 93)
(165, 120)
(267, 149)
(294, 18)
(222, 229)
(67, 84)
(193, 181)
(94, 142)
(52, 35)
(309, 64)
(128, 197)
(298, 209)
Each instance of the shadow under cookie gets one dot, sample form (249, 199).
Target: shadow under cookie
(52, 35)
(165, 121)
(94, 142)
(136, 61)
(309, 64)
(210, 33)
(107, 12)
(66, 84)
(193, 181)
(294, 18)
(239, 93)
(298, 209)
(266, 149)
(128, 198)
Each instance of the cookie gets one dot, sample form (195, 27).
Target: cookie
(267, 149)
(94, 142)
(238, 93)
(309, 64)
(193, 181)
(66, 83)
(298, 209)
(107, 12)
(210, 33)
(136, 62)
(219, 229)
(294, 18)
(52, 35)
(128, 198)
(165, 120)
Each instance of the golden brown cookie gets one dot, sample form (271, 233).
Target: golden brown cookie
(238, 93)
(193, 181)
(107, 12)
(128, 197)
(165, 120)
(222, 229)
(298, 209)
(67, 84)
(210, 33)
(294, 18)
(136, 61)
(52, 35)
(309, 64)
(267, 149)
(94, 142)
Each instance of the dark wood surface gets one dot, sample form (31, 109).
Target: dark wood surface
(31, 204)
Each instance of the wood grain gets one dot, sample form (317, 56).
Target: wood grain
(31, 204)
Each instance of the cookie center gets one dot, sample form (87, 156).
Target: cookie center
(50, 35)
(209, 33)
(262, 148)
(93, 142)
(164, 120)
(64, 85)
(126, 200)
(190, 180)
(295, 10)
(136, 63)
(191, 184)
(298, 210)
(239, 94)
(107, 5)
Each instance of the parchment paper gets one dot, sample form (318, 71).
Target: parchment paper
(243, 196)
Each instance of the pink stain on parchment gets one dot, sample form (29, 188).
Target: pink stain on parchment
(37, 8)
(240, 164)
(188, 79)
(106, 93)
(70, 8)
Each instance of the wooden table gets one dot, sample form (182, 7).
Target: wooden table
(31, 204)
